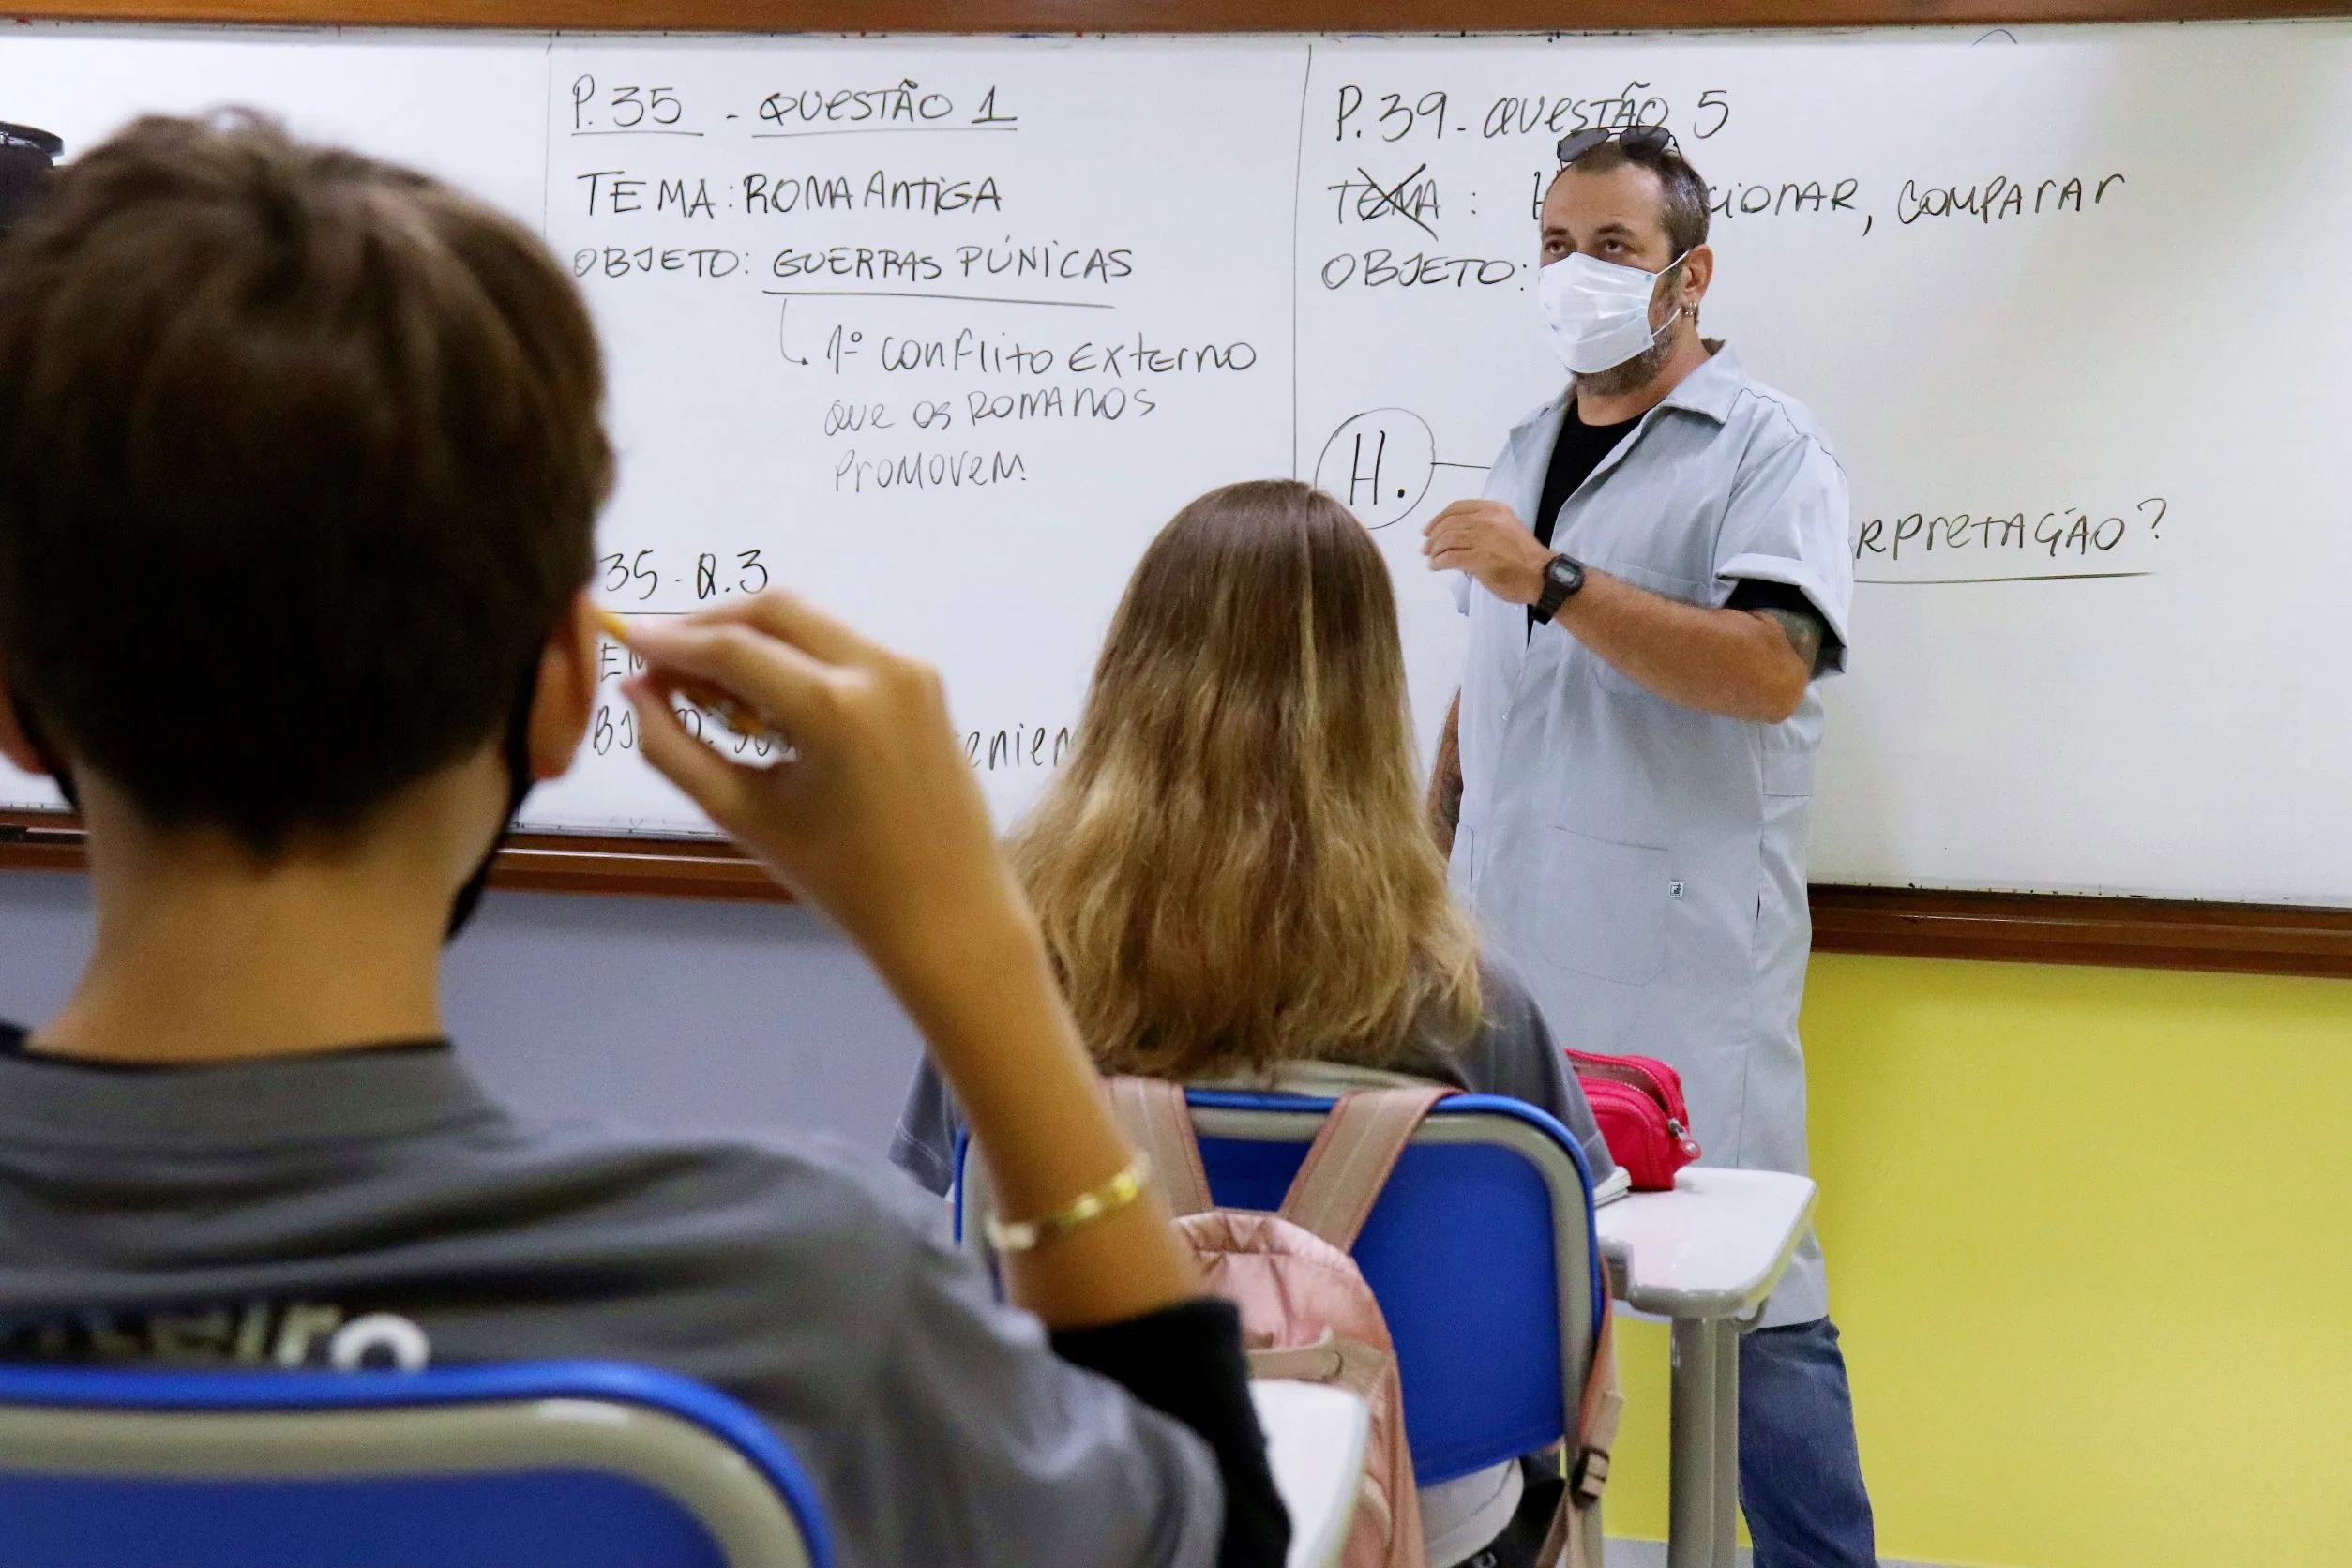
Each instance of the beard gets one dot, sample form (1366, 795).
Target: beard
(1643, 368)
(1631, 376)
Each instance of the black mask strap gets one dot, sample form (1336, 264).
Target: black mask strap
(30, 729)
(517, 751)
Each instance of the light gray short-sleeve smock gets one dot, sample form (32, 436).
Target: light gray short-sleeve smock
(1644, 863)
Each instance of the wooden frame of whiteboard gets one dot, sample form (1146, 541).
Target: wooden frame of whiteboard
(2025, 927)
(2021, 927)
(1160, 16)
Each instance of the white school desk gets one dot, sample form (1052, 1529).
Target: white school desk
(1705, 1255)
(1315, 1438)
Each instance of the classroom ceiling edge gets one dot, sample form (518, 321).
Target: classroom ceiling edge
(1166, 16)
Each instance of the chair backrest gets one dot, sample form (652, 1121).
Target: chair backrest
(1480, 1251)
(547, 1465)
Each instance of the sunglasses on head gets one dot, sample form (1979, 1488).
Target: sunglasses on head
(47, 143)
(1639, 141)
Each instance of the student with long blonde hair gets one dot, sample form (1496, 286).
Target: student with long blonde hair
(1235, 874)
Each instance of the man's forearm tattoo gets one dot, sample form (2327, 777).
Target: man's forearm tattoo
(1445, 781)
(1803, 630)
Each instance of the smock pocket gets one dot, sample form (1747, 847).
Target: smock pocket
(1788, 765)
(1604, 906)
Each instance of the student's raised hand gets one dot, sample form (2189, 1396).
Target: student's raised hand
(875, 816)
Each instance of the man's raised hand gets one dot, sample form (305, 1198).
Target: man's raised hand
(1486, 539)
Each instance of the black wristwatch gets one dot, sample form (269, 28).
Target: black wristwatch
(1563, 576)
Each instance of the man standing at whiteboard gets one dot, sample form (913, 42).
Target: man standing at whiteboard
(1656, 577)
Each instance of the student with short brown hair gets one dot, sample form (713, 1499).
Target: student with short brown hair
(1235, 874)
(300, 461)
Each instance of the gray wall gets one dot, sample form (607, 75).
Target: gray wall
(670, 1014)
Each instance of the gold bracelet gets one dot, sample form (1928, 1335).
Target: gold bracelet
(1087, 1207)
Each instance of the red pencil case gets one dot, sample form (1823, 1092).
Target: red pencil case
(1637, 1101)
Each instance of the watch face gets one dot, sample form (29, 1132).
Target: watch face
(1562, 571)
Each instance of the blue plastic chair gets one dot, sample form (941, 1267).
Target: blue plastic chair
(1480, 1251)
(547, 1465)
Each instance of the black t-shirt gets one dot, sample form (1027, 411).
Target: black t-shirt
(1575, 456)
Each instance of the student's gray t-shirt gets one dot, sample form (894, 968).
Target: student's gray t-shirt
(367, 1207)
(1511, 1054)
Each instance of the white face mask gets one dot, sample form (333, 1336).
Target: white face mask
(1598, 313)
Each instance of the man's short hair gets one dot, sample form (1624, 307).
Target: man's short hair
(300, 458)
(1683, 208)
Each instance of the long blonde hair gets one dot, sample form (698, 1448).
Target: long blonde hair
(1233, 868)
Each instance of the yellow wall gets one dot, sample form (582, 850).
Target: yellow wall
(2089, 1236)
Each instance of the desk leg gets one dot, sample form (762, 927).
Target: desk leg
(1694, 1445)
(1727, 1465)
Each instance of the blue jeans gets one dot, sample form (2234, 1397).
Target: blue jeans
(1801, 1483)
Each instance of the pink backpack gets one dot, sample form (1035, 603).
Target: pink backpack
(1307, 1313)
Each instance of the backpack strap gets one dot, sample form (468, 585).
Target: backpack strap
(1573, 1541)
(1156, 1117)
(1351, 1158)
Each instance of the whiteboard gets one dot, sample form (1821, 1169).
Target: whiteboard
(940, 331)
